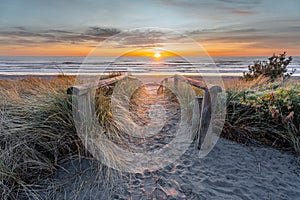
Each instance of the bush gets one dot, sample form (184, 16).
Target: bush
(265, 115)
(274, 68)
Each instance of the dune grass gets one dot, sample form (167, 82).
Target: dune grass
(262, 112)
(36, 131)
(37, 128)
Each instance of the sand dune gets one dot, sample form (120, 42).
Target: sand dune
(229, 171)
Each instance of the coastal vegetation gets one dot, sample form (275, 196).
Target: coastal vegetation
(273, 68)
(264, 107)
(264, 113)
(37, 130)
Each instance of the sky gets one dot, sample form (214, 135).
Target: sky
(76, 27)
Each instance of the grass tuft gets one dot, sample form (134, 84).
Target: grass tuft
(265, 113)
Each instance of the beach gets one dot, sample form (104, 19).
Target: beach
(231, 170)
(150, 100)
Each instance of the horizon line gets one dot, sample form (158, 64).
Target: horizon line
(141, 56)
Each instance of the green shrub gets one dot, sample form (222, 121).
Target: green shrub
(265, 115)
(275, 67)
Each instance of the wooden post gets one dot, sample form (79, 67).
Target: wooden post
(204, 108)
(166, 82)
(205, 119)
(83, 107)
(161, 88)
(83, 104)
(175, 83)
(210, 97)
(197, 115)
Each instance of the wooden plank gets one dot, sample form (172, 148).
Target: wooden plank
(86, 88)
(192, 82)
(199, 84)
(109, 81)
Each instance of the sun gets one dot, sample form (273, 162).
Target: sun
(157, 55)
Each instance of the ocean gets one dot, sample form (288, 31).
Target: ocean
(55, 65)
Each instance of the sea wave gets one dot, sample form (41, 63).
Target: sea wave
(72, 65)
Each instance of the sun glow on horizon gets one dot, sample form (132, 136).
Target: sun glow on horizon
(212, 49)
(157, 55)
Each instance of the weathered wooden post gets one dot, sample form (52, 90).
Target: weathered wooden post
(162, 86)
(208, 109)
(204, 134)
(197, 115)
(176, 82)
(81, 105)
(166, 82)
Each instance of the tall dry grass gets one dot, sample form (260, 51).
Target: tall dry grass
(36, 131)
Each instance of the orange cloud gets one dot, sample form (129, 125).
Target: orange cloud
(45, 50)
(213, 48)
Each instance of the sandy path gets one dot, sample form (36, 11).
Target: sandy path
(229, 171)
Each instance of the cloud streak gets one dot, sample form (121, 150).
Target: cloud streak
(269, 37)
(22, 36)
(25, 36)
(241, 2)
(235, 7)
(262, 37)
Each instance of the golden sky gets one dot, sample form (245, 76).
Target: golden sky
(221, 27)
(212, 49)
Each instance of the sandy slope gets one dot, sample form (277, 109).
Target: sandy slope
(229, 171)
